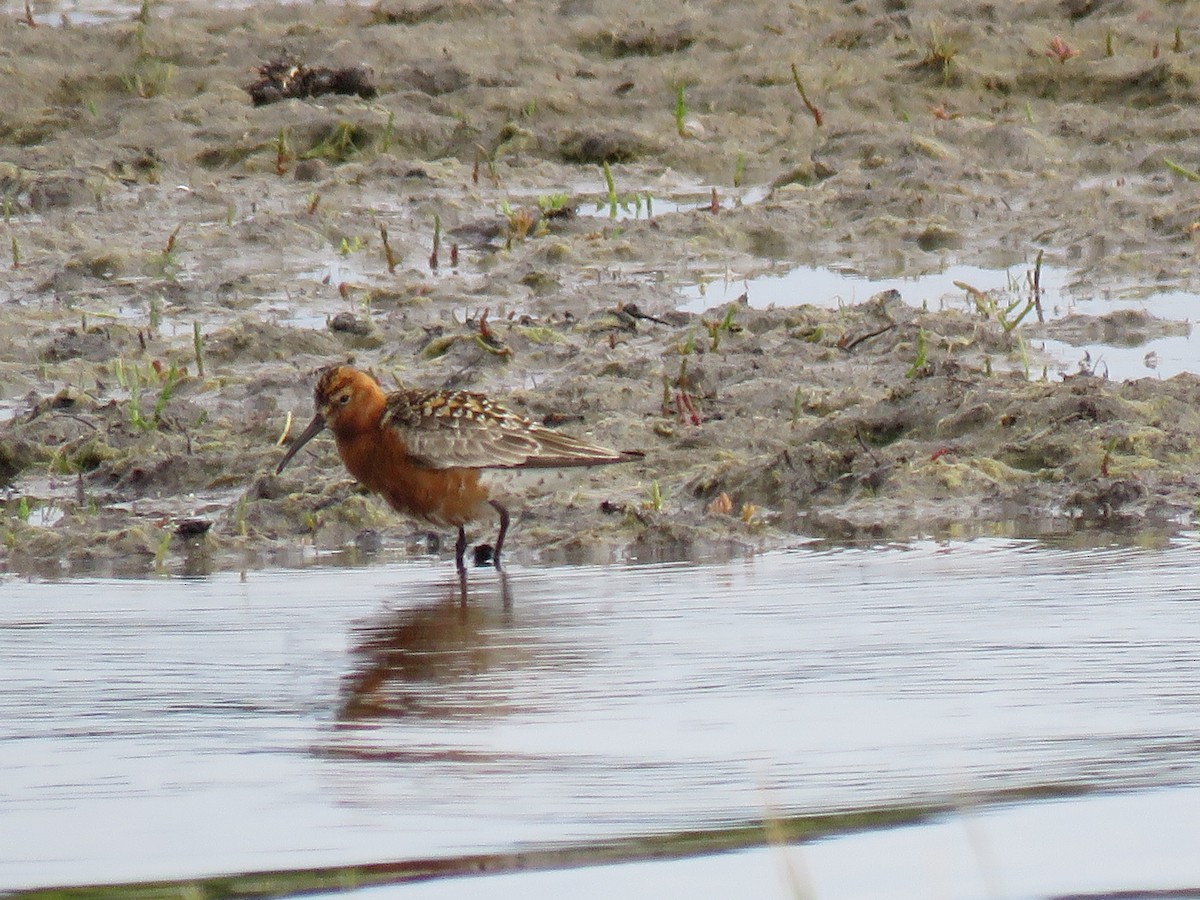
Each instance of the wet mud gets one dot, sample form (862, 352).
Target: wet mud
(181, 260)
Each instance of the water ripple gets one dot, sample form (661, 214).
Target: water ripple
(344, 715)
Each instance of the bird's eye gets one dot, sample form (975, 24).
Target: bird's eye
(344, 399)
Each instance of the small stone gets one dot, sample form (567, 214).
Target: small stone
(192, 527)
(368, 541)
(310, 170)
(348, 323)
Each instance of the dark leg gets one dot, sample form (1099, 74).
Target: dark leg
(460, 547)
(503, 531)
(506, 600)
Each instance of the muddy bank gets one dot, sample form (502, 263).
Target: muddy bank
(181, 259)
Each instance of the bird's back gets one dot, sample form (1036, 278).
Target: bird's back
(446, 429)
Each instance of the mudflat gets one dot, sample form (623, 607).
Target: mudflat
(201, 207)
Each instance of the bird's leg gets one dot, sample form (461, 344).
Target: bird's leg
(460, 547)
(503, 531)
(506, 600)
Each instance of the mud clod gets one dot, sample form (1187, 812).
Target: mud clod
(641, 40)
(596, 147)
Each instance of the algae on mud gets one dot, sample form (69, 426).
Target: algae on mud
(144, 195)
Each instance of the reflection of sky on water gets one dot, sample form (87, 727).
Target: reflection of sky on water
(1097, 846)
(1062, 297)
(323, 716)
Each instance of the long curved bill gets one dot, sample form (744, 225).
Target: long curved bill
(315, 427)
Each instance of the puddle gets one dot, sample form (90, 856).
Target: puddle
(332, 273)
(363, 715)
(1157, 358)
(309, 322)
(95, 12)
(1062, 296)
(831, 287)
(39, 513)
(45, 515)
(645, 205)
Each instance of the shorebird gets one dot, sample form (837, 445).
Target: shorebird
(423, 449)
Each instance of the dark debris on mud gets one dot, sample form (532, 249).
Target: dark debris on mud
(282, 79)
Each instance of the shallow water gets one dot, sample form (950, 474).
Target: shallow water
(1094, 847)
(646, 204)
(298, 718)
(87, 12)
(1062, 295)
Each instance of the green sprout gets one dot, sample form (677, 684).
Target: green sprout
(680, 110)
(612, 190)
(550, 204)
(198, 347)
(655, 497)
(156, 307)
(160, 552)
(726, 324)
(939, 53)
(919, 362)
(283, 153)
(343, 142)
(1189, 174)
(388, 130)
(168, 388)
(136, 419)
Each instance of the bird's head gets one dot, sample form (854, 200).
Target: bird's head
(348, 401)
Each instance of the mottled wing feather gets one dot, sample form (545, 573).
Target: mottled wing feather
(445, 429)
(557, 449)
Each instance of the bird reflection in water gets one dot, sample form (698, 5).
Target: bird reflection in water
(427, 660)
